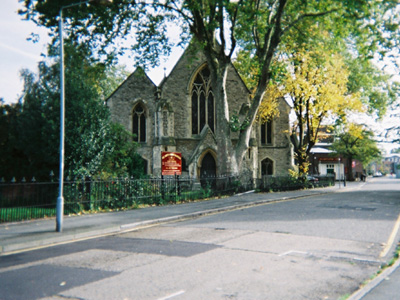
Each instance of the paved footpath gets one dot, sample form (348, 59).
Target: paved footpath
(20, 236)
(24, 236)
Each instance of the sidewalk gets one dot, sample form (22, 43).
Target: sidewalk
(24, 236)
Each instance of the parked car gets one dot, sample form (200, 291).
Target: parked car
(312, 179)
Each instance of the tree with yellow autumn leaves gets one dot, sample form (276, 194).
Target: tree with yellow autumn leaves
(315, 86)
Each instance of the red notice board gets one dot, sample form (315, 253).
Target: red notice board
(171, 163)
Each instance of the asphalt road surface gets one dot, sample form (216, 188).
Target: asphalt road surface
(320, 247)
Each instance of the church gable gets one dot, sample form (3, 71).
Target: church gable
(176, 89)
(138, 83)
(132, 103)
(188, 87)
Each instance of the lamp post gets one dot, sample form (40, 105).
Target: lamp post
(60, 199)
(339, 172)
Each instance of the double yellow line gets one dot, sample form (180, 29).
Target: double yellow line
(392, 236)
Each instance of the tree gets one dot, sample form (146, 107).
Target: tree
(9, 114)
(91, 140)
(218, 27)
(392, 134)
(316, 87)
(397, 150)
(355, 142)
(323, 78)
(376, 89)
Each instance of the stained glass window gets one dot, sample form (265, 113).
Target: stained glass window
(203, 104)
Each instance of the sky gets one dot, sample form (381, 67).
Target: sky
(16, 52)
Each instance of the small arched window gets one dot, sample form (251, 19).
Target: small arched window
(267, 167)
(203, 104)
(139, 124)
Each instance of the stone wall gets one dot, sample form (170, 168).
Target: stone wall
(137, 88)
(280, 151)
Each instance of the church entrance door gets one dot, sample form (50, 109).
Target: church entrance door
(208, 171)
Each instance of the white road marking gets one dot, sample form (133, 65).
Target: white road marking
(391, 238)
(292, 252)
(172, 295)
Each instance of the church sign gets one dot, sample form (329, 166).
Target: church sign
(328, 159)
(171, 163)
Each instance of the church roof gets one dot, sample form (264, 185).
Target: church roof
(139, 75)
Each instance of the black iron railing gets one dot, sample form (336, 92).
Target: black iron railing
(25, 201)
(287, 183)
(34, 200)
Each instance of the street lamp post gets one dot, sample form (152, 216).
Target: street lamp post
(60, 199)
(339, 172)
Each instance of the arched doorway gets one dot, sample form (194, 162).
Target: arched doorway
(208, 170)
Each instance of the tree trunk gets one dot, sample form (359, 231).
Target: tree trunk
(350, 176)
(230, 159)
(226, 160)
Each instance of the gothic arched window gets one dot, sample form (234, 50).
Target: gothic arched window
(203, 105)
(139, 124)
(266, 133)
(267, 167)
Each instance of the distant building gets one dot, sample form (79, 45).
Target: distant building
(392, 162)
(324, 161)
(179, 116)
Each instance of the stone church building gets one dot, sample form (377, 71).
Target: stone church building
(179, 116)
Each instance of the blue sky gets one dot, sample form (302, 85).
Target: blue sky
(16, 52)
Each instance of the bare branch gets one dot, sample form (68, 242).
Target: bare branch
(309, 15)
(233, 25)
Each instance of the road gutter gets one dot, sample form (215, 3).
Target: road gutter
(390, 241)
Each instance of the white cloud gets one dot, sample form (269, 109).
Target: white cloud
(30, 55)
(16, 52)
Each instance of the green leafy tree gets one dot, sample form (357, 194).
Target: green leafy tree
(397, 150)
(10, 157)
(392, 133)
(91, 140)
(30, 140)
(219, 27)
(123, 160)
(355, 142)
(377, 89)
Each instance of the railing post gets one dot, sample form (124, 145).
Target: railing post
(162, 187)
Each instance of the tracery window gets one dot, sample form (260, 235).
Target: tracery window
(165, 122)
(139, 123)
(203, 104)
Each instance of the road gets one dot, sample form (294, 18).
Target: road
(320, 247)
